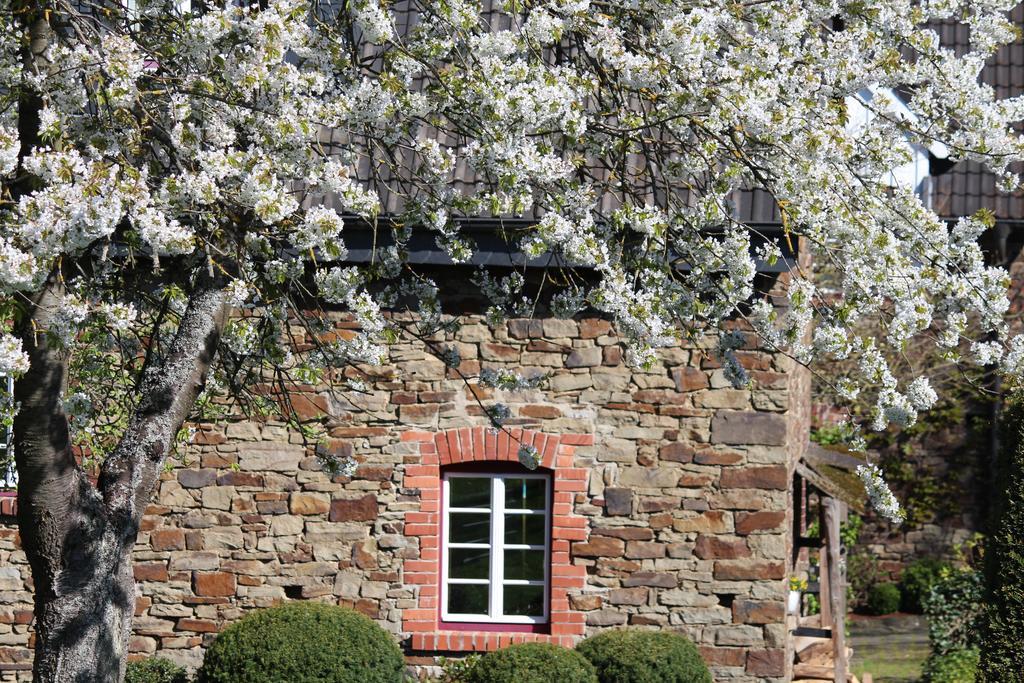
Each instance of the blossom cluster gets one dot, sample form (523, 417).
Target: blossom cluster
(246, 142)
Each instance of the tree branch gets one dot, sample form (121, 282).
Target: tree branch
(168, 391)
(42, 441)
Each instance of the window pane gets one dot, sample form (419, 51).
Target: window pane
(524, 601)
(469, 563)
(527, 565)
(524, 529)
(526, 494)
(469, 492)
(468, 527)
(466, 598)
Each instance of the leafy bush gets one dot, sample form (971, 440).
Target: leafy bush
(1002, 657)
(303, 642)
(883, 598)
(862, 575)
(634, 656)
(958, 666)
(532, 663)
(954, 611)
(155, 670)
(917, 580)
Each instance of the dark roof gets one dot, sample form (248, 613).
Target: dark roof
(967, 187)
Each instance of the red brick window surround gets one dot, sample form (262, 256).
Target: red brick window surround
(486, 450)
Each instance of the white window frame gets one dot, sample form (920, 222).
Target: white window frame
(497, 547)
(8, 475)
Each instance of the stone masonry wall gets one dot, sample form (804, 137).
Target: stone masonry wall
(673, 511)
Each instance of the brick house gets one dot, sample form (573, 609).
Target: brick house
(663, 500)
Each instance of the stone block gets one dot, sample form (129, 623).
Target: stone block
(757, 611)
(748, 570)
(281, 458)
(584, 358)
(10, 579)
(713, 547)
(150, 571)
(654, 579)
(771, 477)
(753, 522)
(709, 522)
(361, 509)
(586, 602)
(690, 379)
(309, 503)
(739, 634)
(606, 617)
(628, 596)
(648, 477)
(167, 539)
(766, 662)
(734, 427)
(618, 501)
(218, 497)
(555, 328)
(679, 451)
(644, 550)
(569, 382)
(197, 479)
(599, 546)
(213, 584)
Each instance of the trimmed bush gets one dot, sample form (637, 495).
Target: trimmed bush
(532, 663)
(303, 642)
(883, 598)
(917, 580)
(635, 656)
(1002, 657)
(954, 610)
(155, 670)
(958, 666)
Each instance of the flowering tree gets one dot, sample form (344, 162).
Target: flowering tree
(163, 164)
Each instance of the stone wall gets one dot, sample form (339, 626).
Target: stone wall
(673, 511)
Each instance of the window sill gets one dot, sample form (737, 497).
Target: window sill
(484, 641)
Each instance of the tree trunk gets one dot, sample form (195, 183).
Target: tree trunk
(84, 603)
(78, 536)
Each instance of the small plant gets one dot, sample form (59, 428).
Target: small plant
(635, 656)
(958, 666)
(917, 580)
(883, 598)
(532, 663)
(155, 670)
(797, 583)
(303, 642)
(456, 670)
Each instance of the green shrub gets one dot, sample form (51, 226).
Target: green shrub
(303, 642)
(917, 580)
(862, 575)
(954, 611)
(883, 598)
(958, 666)
(1002, 656)
(635, 656)
(532, 663)
(155, 670)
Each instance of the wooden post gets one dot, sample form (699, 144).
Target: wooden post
(831, 510)
(824, 581)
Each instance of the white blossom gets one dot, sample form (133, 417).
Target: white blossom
(882, 499)
(13, 361)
